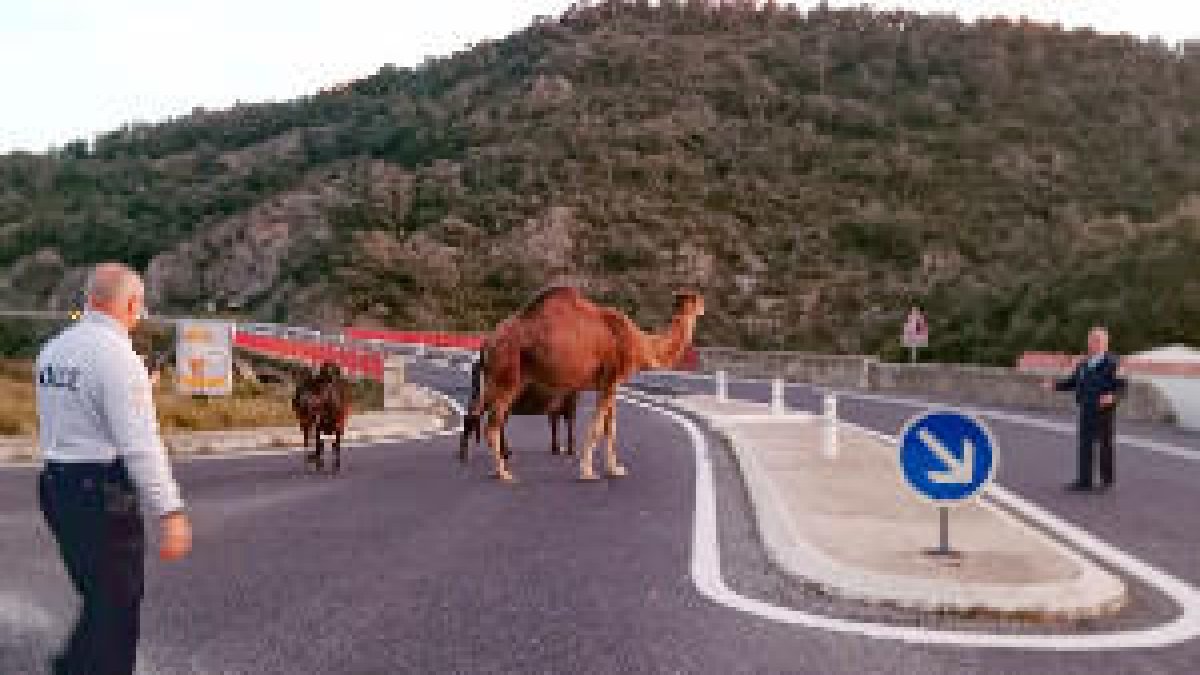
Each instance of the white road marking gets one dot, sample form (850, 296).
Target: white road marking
(1037, 423)
(706, 574)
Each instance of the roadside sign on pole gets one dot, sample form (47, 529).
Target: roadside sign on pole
(916, 332)
(204, 357)
(946, 457)
(916, 329)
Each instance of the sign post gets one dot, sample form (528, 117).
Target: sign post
(916, 333)
(946, 457)
(204, 357)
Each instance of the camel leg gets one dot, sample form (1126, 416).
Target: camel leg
(495, 433)
(611, 467)
(595, 431)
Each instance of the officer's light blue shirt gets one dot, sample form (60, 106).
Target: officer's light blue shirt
(95, 404)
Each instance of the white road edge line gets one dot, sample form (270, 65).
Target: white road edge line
(1018, 418)
(706, 574)
(458, 409)
(1003, 416)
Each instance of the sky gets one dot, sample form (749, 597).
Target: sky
(75, 68)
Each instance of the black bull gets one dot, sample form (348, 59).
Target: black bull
(322, 407)
(532, 401)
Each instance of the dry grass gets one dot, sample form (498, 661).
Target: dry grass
(251, 405)
(18, 415)
(185, 413)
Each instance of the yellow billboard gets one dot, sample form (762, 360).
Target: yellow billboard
(204, 357)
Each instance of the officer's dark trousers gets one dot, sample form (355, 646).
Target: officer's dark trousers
(93, 512)
(1096, 428)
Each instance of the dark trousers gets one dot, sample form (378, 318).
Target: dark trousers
(92, 510)
(1096, 428)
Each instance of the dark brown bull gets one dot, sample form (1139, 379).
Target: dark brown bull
(322, 406)
(531, 401)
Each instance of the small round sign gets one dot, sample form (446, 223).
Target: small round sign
(946, 456)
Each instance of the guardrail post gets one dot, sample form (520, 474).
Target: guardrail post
(830, 445)
(778, 406)
(722, 386)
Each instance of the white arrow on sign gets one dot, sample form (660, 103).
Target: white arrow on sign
(957, 471)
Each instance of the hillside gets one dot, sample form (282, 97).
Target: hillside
(813, 173)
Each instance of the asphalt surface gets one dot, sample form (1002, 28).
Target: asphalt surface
(409, 563)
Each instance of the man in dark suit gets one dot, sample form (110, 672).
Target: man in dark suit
(1096, 385)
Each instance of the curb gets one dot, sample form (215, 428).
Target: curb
(417, 424)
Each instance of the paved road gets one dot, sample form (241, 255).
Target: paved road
(410, 564)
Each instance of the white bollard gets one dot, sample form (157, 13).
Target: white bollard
(722, 386)
(831, 425)
(778, 406)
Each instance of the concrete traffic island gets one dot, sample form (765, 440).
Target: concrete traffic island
(846, 523)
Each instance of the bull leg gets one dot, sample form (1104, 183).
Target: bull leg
(471, 425)
(310, 455)
(337, 452)
(569, 419)
(554, 449)
(319, 452)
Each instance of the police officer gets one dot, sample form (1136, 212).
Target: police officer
(104, 463)
(1096, 385)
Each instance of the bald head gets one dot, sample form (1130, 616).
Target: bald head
(111, 282)
(115, 289)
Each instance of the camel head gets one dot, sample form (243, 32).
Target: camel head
(665, 349)
(689, 303)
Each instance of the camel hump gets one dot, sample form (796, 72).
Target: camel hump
(552, 293)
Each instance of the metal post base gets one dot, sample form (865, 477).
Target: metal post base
(943, 550)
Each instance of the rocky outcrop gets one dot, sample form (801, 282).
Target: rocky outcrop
(244, 260)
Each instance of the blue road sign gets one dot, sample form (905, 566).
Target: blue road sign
(946, 456)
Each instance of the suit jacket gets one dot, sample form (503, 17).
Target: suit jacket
(1091, 382)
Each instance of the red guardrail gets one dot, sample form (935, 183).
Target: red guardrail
(429, 338)
(1059, 361)
(354, 362)
(689, 361)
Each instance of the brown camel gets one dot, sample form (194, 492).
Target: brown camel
(563, 343)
